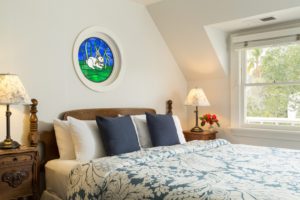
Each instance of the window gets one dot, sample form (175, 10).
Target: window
(271, 85)
(269, 82)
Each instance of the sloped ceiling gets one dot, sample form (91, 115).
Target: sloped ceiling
(198, 46)
(146, 2)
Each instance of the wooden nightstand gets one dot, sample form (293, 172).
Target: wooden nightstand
(19, 173)
(205, 135)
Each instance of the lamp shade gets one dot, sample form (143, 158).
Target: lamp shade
(12, 90)
(196, 97)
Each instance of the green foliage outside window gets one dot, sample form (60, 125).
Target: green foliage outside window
(278, 64)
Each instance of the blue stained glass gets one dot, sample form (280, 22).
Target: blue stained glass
(96, 59)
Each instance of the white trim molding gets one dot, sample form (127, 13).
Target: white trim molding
(280, 135)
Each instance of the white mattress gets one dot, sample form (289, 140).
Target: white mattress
(49, 196)
(57, 173)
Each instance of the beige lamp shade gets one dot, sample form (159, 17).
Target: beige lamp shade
(196, 97)
(12, 90)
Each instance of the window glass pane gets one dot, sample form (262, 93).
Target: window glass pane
(273, 104)
(275, 63)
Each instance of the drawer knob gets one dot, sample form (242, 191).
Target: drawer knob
(15, 178)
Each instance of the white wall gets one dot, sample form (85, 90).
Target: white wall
(184, 26)
(36, 40)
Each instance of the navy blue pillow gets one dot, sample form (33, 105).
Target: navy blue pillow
(162, 130)
(119, 135)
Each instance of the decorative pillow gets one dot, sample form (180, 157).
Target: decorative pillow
(64, 140)
(87, 140)
(119, 135)
(162, 130)
(143, 130)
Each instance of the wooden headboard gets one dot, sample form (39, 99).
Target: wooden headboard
(46, 139)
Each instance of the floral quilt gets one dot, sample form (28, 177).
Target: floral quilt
(209, 170)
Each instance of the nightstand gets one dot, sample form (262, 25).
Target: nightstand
(205, 135)
(19, 173)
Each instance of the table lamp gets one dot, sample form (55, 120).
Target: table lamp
(12, 91)
(196, 97)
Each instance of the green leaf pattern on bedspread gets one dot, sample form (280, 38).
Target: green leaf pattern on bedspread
(212, 170)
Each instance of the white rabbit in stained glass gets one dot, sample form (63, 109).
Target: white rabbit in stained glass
(97, 61)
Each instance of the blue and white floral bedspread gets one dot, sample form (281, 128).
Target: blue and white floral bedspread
(209, 170)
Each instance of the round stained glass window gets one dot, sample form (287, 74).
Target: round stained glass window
(97, 59)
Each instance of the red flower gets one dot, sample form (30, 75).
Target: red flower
(208, 116)
(210, 119)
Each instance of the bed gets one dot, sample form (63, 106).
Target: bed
(213, 169)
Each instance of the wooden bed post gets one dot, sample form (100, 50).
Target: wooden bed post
(33, 134)
(169, 107)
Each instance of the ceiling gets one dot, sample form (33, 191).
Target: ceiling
(282, 16)
(147, 2)
(196, 31)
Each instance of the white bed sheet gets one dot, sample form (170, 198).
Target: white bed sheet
(57, 174)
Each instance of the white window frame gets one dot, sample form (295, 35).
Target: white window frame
(238, 66)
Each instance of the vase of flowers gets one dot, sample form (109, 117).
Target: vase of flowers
(210, 119)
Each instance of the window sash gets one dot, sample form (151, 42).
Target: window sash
(273, 83)
(245, 74)
(243, 62)
(245, 120)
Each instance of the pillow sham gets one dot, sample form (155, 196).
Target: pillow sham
(179, 129)
(64, 140)
(162, 130)
(87, 140)
(119, 134)
(143, 130)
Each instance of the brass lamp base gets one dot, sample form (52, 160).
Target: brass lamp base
(9, 144)
(197, 129)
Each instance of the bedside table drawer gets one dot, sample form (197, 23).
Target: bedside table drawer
(15, 158)
(205, 135)
(19, 173)
(16, 180)
(209, 137)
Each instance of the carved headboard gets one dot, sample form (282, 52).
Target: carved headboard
(46, 139)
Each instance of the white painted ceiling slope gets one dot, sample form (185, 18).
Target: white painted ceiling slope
(196, 30)
(146, 2)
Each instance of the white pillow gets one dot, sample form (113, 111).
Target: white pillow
(143, 131)
(64, 140)
(179, 130)
(87, 140)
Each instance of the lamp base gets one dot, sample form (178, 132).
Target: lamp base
(9, 144)
(197, 129)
